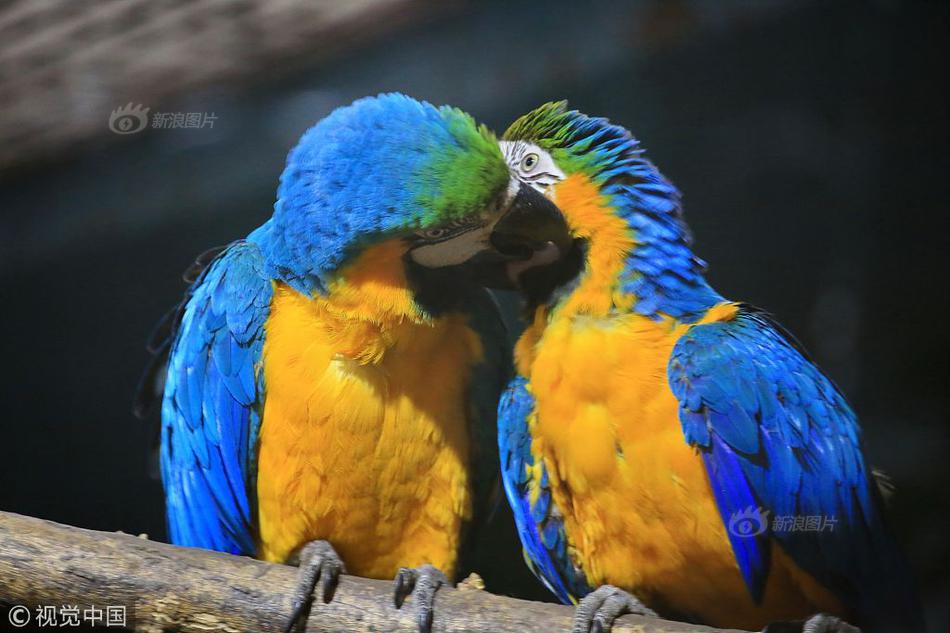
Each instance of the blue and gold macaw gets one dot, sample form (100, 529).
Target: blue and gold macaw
(332, 384)
(665, 448)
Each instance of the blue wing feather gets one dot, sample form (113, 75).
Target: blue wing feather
(539, 523)
(777, 435)
(212, 405)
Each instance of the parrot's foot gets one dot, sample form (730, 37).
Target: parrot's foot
(819, 623)
(423, 583)
(597, 610)
(316, 560)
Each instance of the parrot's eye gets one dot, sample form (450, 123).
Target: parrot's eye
(529, 162)
(434, 234)
(446, 231)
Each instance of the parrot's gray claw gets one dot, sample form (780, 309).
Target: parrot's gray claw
(315, 560)
(597, 610)
(818, 623)
(423, 583)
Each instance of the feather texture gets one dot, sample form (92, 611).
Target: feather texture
(779, 437)
(212, 407)
(538, 519)
(311, 392)
(652, 417)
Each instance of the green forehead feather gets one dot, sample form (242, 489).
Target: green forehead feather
(548, 126)
(577, 142)
(465, 173)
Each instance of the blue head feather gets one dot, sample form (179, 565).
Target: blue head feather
(380, 166)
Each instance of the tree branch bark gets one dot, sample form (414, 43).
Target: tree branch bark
(169, 588)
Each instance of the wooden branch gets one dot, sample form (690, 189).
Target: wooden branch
(169, 588)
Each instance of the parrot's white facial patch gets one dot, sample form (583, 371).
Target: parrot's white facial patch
(452, 250)
(457, 242)
(531, 164)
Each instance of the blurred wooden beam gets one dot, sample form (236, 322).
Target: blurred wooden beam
(66, 64)
(168, 588)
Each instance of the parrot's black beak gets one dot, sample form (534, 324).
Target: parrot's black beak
(531, 233)
(533, 224)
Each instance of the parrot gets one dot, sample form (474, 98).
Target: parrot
(666, 450)
(332, 379)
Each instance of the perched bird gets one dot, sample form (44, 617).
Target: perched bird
(333, 379)
(664, 448)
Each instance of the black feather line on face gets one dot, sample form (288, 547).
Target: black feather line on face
(454, 230)
(538, 176)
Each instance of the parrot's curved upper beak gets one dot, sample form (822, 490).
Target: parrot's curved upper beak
(532, 225)
(531, 233)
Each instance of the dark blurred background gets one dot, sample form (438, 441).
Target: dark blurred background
(810, 140)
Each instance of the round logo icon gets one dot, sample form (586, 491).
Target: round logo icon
(19, 616)
(128, 119)
(749, 522)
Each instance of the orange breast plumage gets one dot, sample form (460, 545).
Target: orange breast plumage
(357, 447)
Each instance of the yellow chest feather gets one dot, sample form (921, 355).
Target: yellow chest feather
(637, 503)
(636, 499)
(364, 440)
